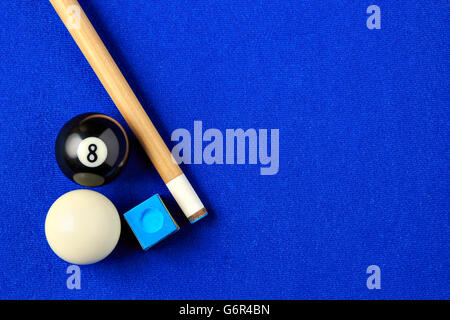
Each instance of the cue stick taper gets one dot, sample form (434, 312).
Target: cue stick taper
(129, 106)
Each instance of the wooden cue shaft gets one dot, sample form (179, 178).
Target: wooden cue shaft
(129, 106)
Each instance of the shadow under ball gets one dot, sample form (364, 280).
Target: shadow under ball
(92, 149)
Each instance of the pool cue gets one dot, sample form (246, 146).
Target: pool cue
(129, 106)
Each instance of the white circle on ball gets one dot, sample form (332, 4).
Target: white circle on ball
(82, 227)
(92, 152)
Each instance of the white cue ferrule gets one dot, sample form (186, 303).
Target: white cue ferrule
(187, 198)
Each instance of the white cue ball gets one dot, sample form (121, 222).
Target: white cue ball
(82, 227)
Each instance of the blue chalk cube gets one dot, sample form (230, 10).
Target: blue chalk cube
(151, 222)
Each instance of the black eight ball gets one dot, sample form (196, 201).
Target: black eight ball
(92, 149)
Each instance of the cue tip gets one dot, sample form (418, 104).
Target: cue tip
(198, 215)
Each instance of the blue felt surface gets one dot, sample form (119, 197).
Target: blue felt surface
(364, 146)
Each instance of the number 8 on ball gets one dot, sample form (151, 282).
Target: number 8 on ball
(92, 152)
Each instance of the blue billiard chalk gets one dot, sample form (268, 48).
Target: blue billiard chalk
(151, 222)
